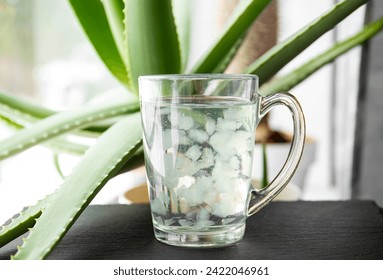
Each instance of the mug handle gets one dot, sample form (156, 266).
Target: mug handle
(261, 197)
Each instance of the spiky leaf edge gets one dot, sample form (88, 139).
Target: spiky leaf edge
(80, 187)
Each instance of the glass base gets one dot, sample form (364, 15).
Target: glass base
(218, 238)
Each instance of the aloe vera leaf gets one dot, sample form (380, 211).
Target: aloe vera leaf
(17, 116)
(114, 10)
(273, 60)
(243, 16)
(151, 39)
(59, 143)
(25, 106)
(116, 146)
(56, 162)
(62, 145)
(296, 76)
(221, 67)
(93, 19)
(182, 17)
(26, 218)
(10, 122)
(100, 126)
(116, 94)
(62, 123)
(137, 160)
(17, 110)
(265, 176)
(22, 222)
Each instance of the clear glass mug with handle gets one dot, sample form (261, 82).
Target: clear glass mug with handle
(198, 138)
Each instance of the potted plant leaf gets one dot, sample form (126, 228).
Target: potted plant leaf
(133, 38)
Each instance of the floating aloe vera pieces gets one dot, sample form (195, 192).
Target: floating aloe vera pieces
(62, 123)
(118, 145)
(199, 182)
(22, 222)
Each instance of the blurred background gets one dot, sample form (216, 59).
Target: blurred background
(45, 57)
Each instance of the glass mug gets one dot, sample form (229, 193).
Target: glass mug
(198, 138)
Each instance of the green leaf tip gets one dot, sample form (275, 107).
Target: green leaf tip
(23, 221)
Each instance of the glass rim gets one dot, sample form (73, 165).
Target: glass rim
(213, 76)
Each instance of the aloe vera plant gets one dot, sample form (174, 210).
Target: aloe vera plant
(133, 38)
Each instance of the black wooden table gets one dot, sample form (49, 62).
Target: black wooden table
(282, 230)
